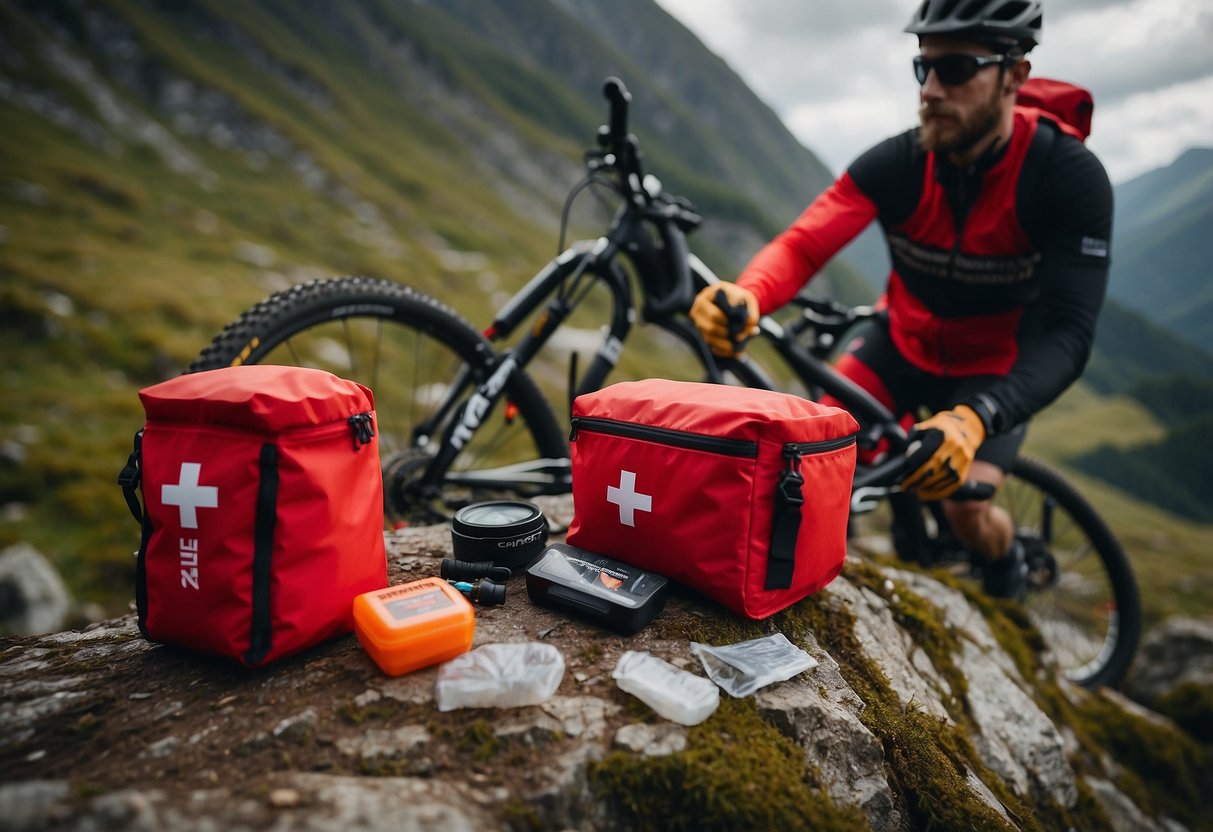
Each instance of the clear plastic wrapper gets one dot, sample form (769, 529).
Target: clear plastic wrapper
(742, 668)
(500, 676)
(675, 694)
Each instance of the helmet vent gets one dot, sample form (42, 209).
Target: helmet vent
(1010, 11)
(946, 9)
(971, 10)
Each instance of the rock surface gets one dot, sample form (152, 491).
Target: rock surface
(1177, 652)
(100, 729)
(33, 596)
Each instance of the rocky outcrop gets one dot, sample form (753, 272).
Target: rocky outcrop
(33, 596)
(100, 729)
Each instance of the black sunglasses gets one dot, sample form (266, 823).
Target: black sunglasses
(954, 68)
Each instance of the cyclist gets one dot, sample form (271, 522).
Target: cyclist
(998, 225)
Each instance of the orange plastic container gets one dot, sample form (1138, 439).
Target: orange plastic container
(414, 625)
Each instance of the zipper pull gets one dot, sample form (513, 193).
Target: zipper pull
(362, 426)
(790, 483)
(573, 425)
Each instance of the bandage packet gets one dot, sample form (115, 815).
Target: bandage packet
(742, 668)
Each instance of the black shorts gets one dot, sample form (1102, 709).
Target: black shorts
(908, 389)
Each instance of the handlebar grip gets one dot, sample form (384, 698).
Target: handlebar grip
(617, 94)
(736, 316)
(973, 491)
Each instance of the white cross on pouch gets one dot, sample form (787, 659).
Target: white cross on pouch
(628, 499)
(189, 496)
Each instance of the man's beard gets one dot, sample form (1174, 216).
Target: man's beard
(961, 133)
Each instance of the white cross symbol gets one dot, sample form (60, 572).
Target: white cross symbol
(189, 496)
(627, 499)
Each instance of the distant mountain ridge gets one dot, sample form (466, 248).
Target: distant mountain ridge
(1162, 246)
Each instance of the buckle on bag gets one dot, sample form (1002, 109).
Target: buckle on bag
(130, 476)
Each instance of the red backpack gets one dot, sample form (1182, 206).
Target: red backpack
(1070, 105)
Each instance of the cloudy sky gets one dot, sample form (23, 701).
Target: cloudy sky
(838, 71)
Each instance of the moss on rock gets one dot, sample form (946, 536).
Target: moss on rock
(738, 772)
(1191, 707)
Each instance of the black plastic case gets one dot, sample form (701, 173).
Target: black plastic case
(615, 595)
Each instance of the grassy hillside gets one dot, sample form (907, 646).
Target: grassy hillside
(164, 166)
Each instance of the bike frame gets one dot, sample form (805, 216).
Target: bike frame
(558, 289)
(669, 276)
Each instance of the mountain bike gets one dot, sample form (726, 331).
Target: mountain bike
(461, 416)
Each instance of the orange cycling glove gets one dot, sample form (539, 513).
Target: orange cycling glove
(948, 441)
(713, 322)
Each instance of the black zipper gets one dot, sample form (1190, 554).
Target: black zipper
(821, 446)
(665, 436)
(700, 442)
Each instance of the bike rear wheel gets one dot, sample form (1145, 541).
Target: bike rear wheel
(422, 361)
(1081, 596)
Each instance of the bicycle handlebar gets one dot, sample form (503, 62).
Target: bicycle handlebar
(890, 471)
(615, 138)
(617, 94)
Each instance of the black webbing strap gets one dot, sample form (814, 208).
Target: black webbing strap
(130, 478)
(261, 630)
(785, 528)
(1032, 172)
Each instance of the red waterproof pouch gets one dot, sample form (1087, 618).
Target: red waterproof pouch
(742, 494)
(262, 510)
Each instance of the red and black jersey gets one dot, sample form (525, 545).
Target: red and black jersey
(997, 270)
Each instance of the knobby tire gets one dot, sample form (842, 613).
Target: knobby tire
(406, 347)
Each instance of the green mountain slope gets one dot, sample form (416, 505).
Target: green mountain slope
(1130, 349)
(1162, 249)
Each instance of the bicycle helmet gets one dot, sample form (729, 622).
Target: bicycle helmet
(1001, 23)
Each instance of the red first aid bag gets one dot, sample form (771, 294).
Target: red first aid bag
(742, 494)
(262, 510)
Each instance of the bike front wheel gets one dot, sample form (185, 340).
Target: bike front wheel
(422, 362)
(1082, 595)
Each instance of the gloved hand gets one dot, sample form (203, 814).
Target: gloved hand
(948, 441)
(725, 331)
